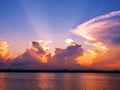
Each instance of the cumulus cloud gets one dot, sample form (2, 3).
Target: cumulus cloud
(67, 57)
(38, 56)
(37, 50)
(103, 33)
(70, 42)
(4, 52)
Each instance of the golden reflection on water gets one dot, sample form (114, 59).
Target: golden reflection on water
(2, 81)
(59, 81)
(45, 81)
(93, 81)
(51, 81)
(83, 81)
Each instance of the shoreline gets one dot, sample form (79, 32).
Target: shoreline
(58, 71)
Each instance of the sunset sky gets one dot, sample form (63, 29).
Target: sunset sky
(46, 34)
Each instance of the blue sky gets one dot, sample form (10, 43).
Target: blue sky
(22, 21)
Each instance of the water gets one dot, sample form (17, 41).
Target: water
(59, 81)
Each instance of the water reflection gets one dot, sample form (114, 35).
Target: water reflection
(45, 81)
(2, 81)
(59, 81)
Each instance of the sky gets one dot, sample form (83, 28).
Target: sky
(81, 33)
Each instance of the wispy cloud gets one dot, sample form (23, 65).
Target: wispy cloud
(104, 29)
(103, 33)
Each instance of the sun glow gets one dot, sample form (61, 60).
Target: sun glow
(87, 58)
(4, 52)
(44, 59)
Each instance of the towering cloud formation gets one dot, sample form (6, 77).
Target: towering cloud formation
(66, 57)
(4, 53)
(103, 33)
(39, 50)
(101, 30)
(37, 56)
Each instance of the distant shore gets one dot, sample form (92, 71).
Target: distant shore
(58, 71)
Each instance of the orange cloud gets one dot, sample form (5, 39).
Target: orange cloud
(4, 52)
(39, 50)
(87, 58)
(38, 56)
(103, 33)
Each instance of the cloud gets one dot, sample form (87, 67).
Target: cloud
(4, 52)
(104, 29)
(38, 56)
(66, 57)
(35, 57)
(37, 50)
(103, 33)
(70, 42)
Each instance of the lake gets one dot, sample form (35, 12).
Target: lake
(59, 81)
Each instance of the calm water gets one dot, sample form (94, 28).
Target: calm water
(59, 81)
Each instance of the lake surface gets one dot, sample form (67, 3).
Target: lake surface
(59, 81)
